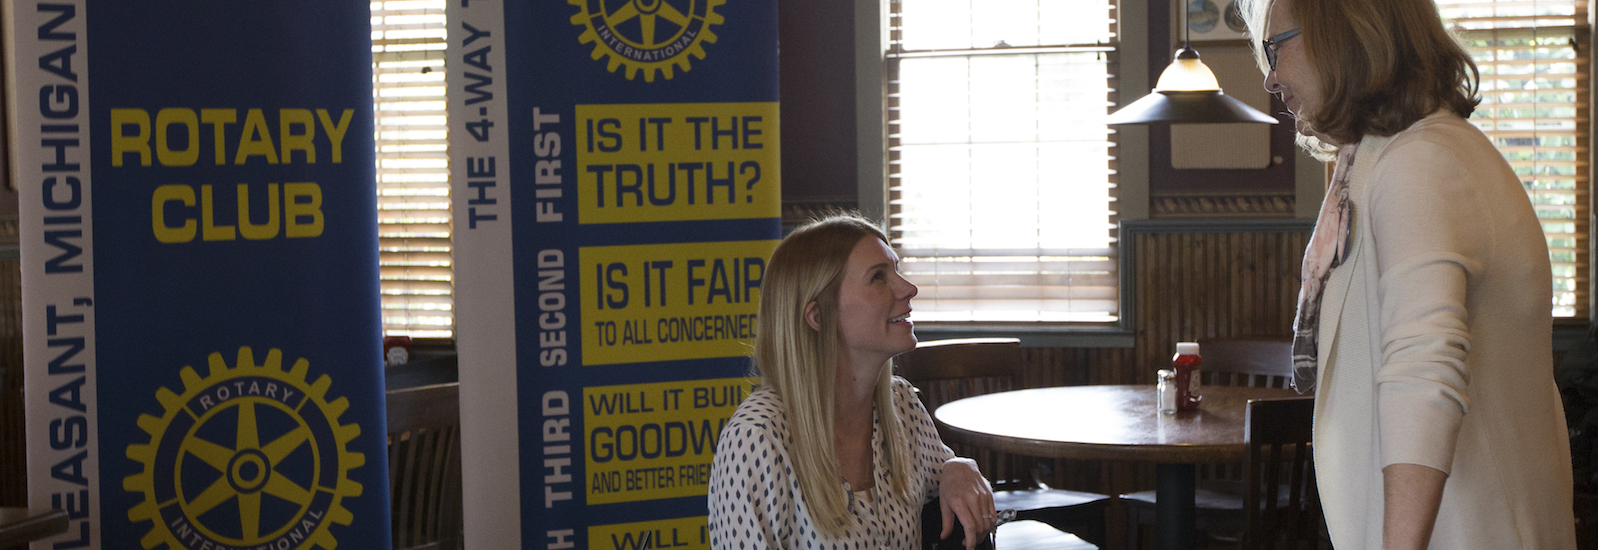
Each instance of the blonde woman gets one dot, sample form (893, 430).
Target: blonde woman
(1424, 321)
(833, 451)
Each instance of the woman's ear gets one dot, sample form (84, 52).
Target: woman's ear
(812, 317)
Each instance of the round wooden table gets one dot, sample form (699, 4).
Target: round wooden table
(1114, 423)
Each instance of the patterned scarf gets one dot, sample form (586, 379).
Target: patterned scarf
(1327, 249)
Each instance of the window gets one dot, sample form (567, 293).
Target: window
(1001, 184)
(412, 168)
(1533, 57)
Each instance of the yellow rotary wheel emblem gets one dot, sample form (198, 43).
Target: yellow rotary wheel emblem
(248, 456)
(647, 35)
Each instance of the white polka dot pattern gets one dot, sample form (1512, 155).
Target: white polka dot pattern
(755, 499)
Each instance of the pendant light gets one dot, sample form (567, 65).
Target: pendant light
(1187, 92)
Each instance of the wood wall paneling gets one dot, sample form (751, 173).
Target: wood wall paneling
(13, 455)
(820, 151)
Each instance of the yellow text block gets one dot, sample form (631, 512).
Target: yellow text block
(686, 533)
(670, 301)
(654, 441)
(677, 161)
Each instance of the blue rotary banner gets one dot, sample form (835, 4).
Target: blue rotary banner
(199, 263)
(615, 167)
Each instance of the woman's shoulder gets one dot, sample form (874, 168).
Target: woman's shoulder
(900, 385)
(904, 392)
(762, 411)
(752, 440)
(906, 395)
(1444, 133)
(1441, 153)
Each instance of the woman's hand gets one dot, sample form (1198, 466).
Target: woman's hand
(966, 495)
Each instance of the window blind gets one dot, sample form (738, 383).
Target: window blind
(1001, 184)
(408, 39)
(1533, 58)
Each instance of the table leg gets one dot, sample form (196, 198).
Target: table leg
(1174, 506)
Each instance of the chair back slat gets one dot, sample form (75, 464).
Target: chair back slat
(948, 370)
(1253, 361)
(424, 466)
(936, 393)
(1247, 361)
(977, 362)
(1277, 437)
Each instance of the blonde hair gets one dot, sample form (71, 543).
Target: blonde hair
(800, 364)
(1382, 64)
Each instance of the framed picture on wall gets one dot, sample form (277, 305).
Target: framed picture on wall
(1213, 20)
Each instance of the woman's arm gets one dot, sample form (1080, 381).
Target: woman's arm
(1413, 494)
(1432, 235)
(966, 495)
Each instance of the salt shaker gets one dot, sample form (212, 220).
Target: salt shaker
(1166, 391)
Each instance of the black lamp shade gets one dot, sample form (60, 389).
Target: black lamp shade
(1188, 108)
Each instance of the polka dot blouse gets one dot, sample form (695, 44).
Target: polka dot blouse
(755, 499)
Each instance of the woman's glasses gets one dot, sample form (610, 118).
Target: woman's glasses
(1269, 45)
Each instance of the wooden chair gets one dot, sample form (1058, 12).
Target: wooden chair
(1279, 459)
(1250, 361)
(946, 370)
(1258, 361)
(424, 466)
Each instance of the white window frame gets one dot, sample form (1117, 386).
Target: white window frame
(1104, 331)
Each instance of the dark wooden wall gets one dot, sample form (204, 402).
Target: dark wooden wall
(1188, 286)
(13, 457)
(820, 149)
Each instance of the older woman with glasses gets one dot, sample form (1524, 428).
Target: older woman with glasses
(1424, 318)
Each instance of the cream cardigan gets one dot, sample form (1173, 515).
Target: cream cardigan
(1436, 348)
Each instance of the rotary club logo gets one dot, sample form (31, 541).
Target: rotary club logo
(647, 35)
(247, 456)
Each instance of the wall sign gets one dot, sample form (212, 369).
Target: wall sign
(199, 263)
(617, 192)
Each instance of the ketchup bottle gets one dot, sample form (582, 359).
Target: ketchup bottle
(1187, 363)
